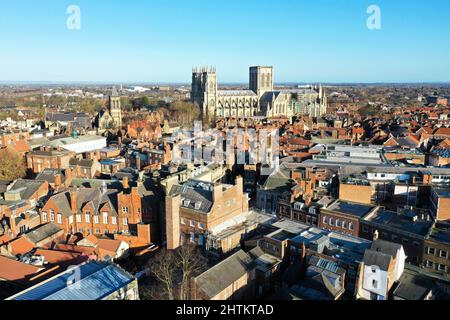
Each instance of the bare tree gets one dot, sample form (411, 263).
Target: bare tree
(191, 263)
(173, 271)
(163, 269)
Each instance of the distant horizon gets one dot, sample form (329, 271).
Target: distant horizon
(179, 83)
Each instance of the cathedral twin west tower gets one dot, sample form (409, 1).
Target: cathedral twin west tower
(259, 100)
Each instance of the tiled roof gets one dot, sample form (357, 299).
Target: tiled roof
(21, 246)
(12, 270)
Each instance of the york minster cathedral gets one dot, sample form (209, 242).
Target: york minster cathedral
(260, 99)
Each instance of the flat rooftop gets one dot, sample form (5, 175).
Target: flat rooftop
(350, 208)
(442, 192)
(441, 233)
(394, 220)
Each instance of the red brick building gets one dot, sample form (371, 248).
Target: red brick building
(99, 210)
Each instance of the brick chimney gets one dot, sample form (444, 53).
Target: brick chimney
(125, 183)
(68, 173)
(173, 234)
(58, 180)
(73, 201)
(138, 163)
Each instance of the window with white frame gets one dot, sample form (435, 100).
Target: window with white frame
(325, 220)
(125, 221)
(125, 209)
(200, 225)
(443, 254)
(44, 216)
(114, 220)
(431, 251)
(79, 217)
(70, 219)
(59, 218)
(350, 226)
(52, 215)
(105, 217)
(429, 264)
(87, 217)
(96, 219)
(442, 267)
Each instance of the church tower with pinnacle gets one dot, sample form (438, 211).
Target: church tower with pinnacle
(115, 108)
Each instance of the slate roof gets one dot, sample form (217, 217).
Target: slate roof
(26, 188)
(42, 232)
(195, 192)
(376, 258)
(216, 279)
(85, 196)
(79, 119)
(86, 163)
(277, 181)
(49, 175)
(413, 286)
(386, 247)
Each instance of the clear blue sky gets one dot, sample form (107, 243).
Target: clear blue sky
(160, 40)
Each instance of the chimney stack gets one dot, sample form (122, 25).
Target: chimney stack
(73, 202)
(58, 180)
(125, 183)
(138, 163)
(68, 173)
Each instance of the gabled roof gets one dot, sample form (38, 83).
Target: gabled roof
(84, 196)
(26, 188)
(386, 247)
(375, 258)
(222, 275)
